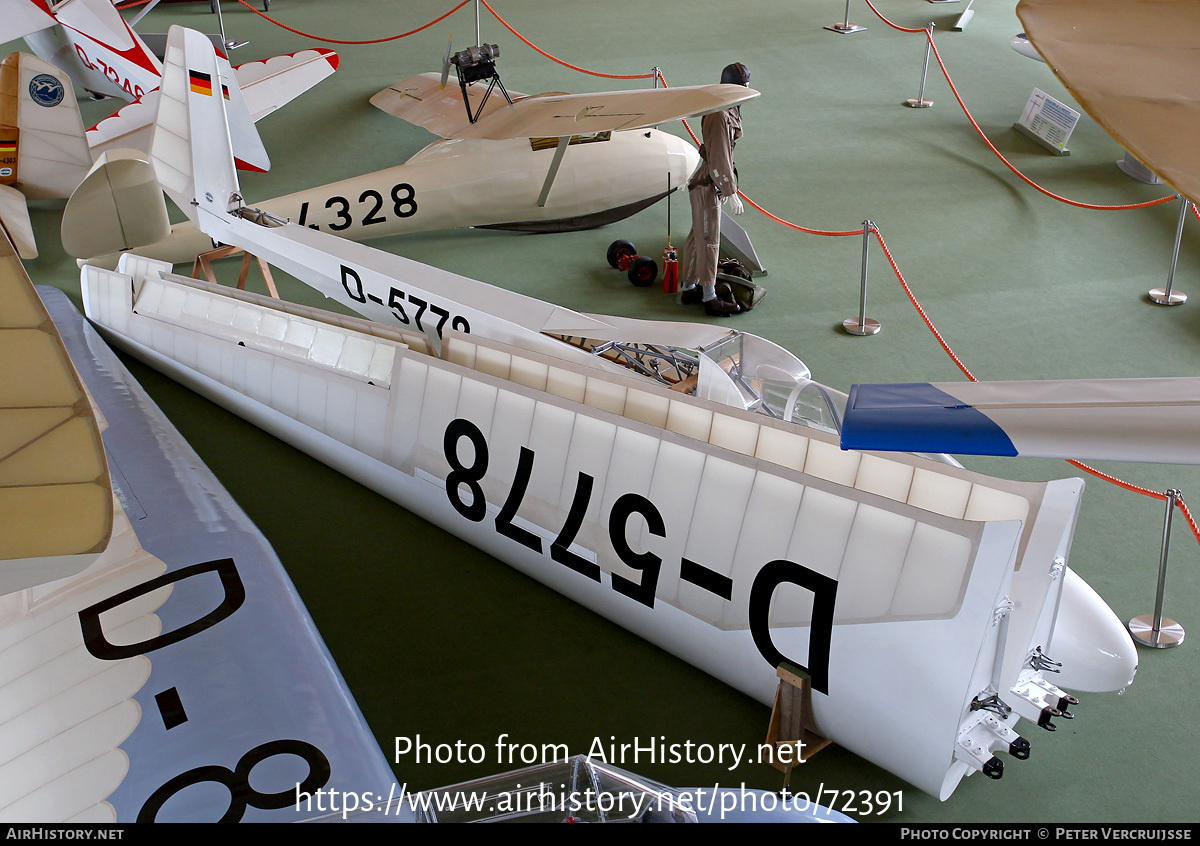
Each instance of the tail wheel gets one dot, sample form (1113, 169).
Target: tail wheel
(621, 252)
(643, 271)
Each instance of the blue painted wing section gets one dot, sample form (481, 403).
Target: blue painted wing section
(917, 417)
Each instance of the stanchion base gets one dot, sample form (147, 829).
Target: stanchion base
(1170, 633)
(1167, 298)
(918, 104)
(845, 28)
(866, 327)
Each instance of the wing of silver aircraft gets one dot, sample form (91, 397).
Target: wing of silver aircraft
(155, 661)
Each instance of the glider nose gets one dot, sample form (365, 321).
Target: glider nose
(1096, 652)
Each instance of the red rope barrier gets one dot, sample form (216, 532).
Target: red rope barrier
(879, 15)
(1009, 164)
(797, 227)
(912, 298)
(992, 147)
(341, 41)
(537, 49)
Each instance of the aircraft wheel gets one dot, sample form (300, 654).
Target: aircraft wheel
(212, 6)
(643, 271)
(619, 250)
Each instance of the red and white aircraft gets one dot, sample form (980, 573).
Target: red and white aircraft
(87, 42)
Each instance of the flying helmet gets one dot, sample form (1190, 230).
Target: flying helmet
(735, 74)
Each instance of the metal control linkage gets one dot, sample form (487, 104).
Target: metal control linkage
(1155, 630)
(1039, 660)
(863, 325)
(984, 733)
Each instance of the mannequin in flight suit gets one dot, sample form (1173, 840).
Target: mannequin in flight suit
(714, 182)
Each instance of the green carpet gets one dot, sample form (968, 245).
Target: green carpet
(437, 639)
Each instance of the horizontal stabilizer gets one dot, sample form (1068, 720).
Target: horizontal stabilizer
(275, 82)
(1152, 420)
(119, 206)
(266, 86)
(130, 127)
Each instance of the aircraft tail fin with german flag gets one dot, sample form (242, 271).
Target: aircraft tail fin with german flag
(200, 100)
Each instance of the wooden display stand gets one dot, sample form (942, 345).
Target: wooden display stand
(790, 734)
(204, 263)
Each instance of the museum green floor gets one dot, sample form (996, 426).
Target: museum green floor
(437, 639)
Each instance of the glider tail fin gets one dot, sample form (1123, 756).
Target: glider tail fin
(42, 143)
(191, 147)
(43, 149)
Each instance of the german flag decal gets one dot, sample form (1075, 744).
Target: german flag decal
(201, 83)
(225, 90)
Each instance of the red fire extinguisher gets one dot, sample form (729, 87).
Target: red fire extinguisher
(670, 270)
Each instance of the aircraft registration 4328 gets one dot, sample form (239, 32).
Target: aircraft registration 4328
(724, 524)
(543, 163)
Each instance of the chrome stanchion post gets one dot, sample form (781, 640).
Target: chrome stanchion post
(920, 102)
(1157, 631)
(845, 27)
(1166, 296)
(863, 325)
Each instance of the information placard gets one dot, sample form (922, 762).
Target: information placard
(1048, 122)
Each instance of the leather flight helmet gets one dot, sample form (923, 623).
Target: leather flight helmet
(735, 74)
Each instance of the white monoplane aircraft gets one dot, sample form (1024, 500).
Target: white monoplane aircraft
(542, 163)
(683, 480)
